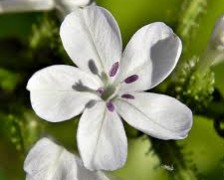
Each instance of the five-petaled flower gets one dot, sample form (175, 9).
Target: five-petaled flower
(109, 85)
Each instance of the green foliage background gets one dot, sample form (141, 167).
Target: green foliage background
(30, 41)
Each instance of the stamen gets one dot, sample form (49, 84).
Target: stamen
(90, 104)
(131, 79)
(128, 96)
(104, 77)
(79, 86)
(100, 91)
(114, 69)
(92, 67)
(110, 106)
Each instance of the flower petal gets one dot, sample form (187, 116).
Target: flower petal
(61, 92)
(92, 34)
(157, 115)
(151, 54)
(101, 139)
(47, 160)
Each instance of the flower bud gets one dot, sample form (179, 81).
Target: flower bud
(214, 53)
(217, 38)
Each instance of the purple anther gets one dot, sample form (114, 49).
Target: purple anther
(114, 69)
(110, 106)
(100, 91)
(128, 96)
(131, 79)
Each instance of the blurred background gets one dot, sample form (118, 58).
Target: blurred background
(30, 41)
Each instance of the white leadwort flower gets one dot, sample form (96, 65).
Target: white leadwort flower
(214, 53)
(217, 38)
(64, 6)
(108, 85)
(215, 50)
(49, 161)
(25, 5)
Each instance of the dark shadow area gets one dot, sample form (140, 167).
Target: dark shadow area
(163, 54)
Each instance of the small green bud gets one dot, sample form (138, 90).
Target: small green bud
(193, 88)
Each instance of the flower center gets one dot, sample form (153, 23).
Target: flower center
(108, 93)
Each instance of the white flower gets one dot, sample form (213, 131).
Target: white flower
(215, 50)
(108, 85)
(49, 161)
(217, 38)
(64, 6)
